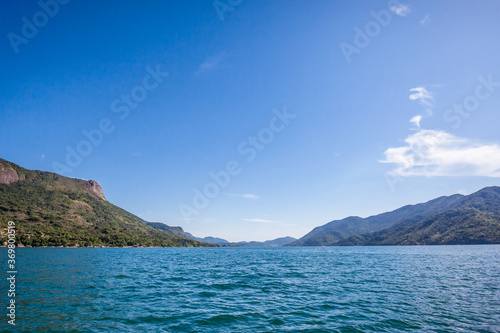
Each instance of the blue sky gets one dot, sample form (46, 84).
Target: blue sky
(303, 111)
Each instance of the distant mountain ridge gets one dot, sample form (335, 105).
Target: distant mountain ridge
(282, 241)
(209, 239)
(53, 210)
(456, 219)
(474, 220)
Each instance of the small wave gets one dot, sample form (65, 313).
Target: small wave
(122, 276)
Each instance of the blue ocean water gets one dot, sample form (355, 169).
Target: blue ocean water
(334, 289)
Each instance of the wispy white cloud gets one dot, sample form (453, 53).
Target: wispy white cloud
(438, 153)
(426, 20)
(422, 95)
(211, 63)
(416, 120)
(243, 195)
(425, 98)
(262, 221)
(401, 9)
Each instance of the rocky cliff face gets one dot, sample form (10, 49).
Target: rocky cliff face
(53, 210)
(95, 189)
(7, 174)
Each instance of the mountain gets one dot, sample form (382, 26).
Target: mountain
(219, 241)
(338, 230)
(269, 243)
(176, 231)
(222, 242)
(457, 219)
(209, 239)
(51, 210)
(475, 220)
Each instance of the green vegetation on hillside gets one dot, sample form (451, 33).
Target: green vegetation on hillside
(476, 220)
(176, 231)
(52, 210)
(457, 219)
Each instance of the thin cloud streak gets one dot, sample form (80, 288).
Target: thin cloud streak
(262, 221)
(244, 195)
(211, 63)
(426, 20)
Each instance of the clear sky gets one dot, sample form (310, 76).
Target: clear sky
(251, 120)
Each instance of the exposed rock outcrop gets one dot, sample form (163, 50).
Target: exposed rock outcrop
(53, 210)
(7, 174)
(95, 189)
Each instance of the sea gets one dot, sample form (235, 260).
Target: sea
(286, 289)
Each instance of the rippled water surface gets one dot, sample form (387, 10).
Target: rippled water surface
(339, 289)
